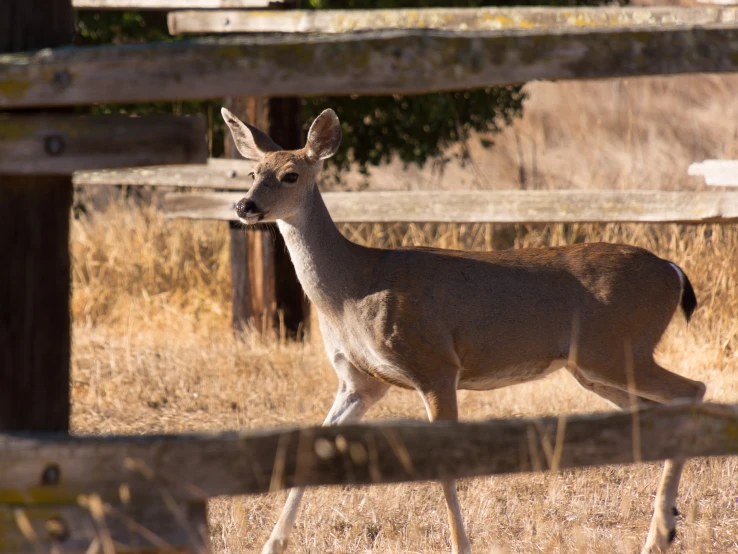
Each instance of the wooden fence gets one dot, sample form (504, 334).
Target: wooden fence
(372, 62)
(500, 206)
(504, 206)
(443, 19)
(148, 493)
(83, 494)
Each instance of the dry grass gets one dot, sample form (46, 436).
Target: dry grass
(153, 352)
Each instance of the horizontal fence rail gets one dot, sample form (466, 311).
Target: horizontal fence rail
(89, 525)
(217, 173)
(447, 19)
(716, 172)
(165, 5)
(503, 206)
(59, 144)
(387, 62)
(57, 469)
(226, 174)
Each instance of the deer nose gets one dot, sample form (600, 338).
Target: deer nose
(246, 207)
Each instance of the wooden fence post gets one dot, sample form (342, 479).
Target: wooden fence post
(285, 124)
(263, 278)
(34, 246)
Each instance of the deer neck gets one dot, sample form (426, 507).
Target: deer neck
(326, 262)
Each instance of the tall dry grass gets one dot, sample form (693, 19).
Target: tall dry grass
(129, 258)
(153, 349)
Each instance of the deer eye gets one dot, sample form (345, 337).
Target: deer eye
(290, 178)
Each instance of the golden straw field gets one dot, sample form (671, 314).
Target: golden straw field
(153, 349)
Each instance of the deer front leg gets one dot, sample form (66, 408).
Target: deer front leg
(356, 394)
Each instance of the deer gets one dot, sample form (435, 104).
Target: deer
(436, 321)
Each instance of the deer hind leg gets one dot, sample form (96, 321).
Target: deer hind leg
(653, 384)
(441, 406)
(356, 394)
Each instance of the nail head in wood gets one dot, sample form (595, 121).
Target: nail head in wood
(61, 78)
(51, 475)
(54, 145)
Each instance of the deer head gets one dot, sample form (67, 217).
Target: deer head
(282, 178)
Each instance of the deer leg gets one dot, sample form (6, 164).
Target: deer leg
(663, 524)
(653, 385)
(441, 406)
(356, 394)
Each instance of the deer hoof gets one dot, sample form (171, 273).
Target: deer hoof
(275, 546)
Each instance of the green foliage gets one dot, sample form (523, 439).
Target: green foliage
(416, 128)
(113, 27)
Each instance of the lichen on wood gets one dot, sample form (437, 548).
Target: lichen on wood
(373, 62)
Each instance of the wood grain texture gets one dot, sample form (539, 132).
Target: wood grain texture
(194, 467)
(216, 173)
(24, 27)
(251, 255)
(59, 144)
(723, 173)
(446, 19)
(402, 62)
(34, 241)
(242, 311)
(265, 285)
(504, 206)
(285, 128)
(164, 5)
(135, 527)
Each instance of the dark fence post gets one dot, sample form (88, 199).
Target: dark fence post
(34, 248)
(263, 277)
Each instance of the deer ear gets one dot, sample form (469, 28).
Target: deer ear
(252, 143)
(324, 136)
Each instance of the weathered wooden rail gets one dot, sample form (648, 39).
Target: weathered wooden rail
(502, 206)
(216, 173)
(443, 19)
(233, 175)
(381, 62)
(56, 481)
(164, 5)
(59, 144)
